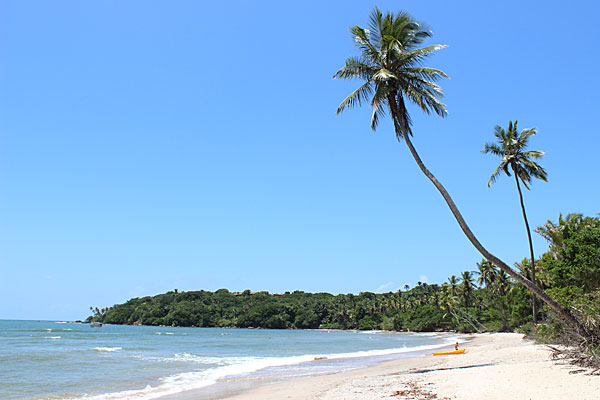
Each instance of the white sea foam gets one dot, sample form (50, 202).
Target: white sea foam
(61, 322)
(233, 366)
(109, 349)
(212, 360)
(51, 337)
(432, 334)
(163, 333)
(198, 379)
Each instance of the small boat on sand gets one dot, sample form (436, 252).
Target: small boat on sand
(443, 353)
(96, 324)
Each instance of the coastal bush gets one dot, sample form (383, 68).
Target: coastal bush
(578, 260)
(306, 319)
(368, 323)
(427, 318)
(571, 274)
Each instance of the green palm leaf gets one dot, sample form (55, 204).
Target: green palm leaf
(511, 146)
(357, 97)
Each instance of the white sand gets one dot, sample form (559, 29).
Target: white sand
(495, 366)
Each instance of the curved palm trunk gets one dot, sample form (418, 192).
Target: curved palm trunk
(533, 299)
(560, 310)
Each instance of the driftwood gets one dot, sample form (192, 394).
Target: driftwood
(575, 349)
(577, 356)
(414, 391)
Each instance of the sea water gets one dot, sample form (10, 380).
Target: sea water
(64, 360)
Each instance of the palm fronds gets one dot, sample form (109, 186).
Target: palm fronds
(511, 146)
(391, 65)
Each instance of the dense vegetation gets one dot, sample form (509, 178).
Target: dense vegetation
(570, 273)
(484, 299)
(422, 308)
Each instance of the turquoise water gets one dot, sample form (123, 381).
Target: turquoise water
(62, 360)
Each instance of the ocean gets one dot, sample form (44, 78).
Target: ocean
(66, 360)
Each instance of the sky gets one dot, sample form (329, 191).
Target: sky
(148, 145)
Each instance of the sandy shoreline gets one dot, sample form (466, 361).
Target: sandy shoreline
(495, 366)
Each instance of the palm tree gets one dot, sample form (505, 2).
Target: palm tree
(453, 281)
(487, 273)
(502, 284)
(511, 148)
(448, 300)
(501, 287)
(524, 266)
(390, 65)
(466, 287)
(556, 234)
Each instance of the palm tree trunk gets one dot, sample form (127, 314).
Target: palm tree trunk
(564, 313)
(533, 299)
(560, 310)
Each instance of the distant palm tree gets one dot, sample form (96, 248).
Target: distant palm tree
(502, 284)
(524, 266)
(453, 281)
(391, 66)
(511, 147)
(487, 273)
(556, 233)
(501, 287)
(466, 287)
(447, 300)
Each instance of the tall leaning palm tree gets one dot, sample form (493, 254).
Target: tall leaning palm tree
(391, 66)
(511, 148)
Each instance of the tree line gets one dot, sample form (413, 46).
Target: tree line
(482, 299)
(459, 305)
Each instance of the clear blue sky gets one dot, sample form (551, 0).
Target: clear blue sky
(147, 146)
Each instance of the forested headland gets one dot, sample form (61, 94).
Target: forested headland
(481, 298)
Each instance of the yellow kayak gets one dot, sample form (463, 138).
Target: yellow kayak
(443, 353)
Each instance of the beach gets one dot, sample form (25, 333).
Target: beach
(495, 366)
(60, 359)
(57, 359)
